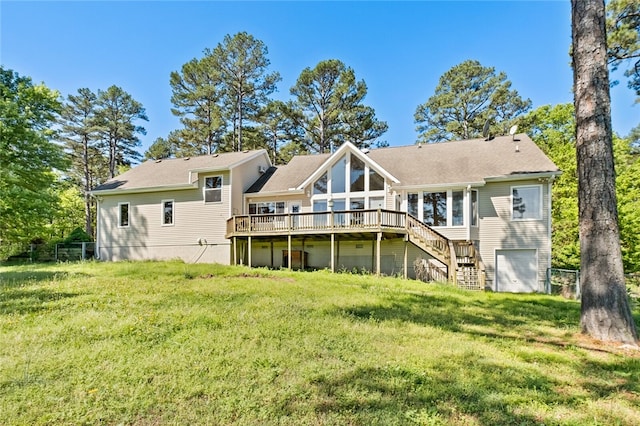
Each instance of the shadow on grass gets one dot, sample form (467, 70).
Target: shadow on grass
(26, 301)
(472, 388)
(20, 278)
(453, 313)
(485, 394)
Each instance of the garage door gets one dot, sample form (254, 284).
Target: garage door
(516, 271)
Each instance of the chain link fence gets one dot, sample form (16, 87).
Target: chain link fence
(565, 282)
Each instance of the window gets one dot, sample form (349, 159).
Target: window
(338, 175)
(213, 189)
(457, 208)
(412, 204)
(357, 174)
(267, 207)
(357, 204)
(167, 212)
(474, 207)
(435, 208)
(123, 215)
(376, 182)
(526, 202)
(320, 186)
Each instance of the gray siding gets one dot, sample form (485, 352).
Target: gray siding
(197, 235)
(499, 231)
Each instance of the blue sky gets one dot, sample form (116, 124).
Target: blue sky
(400, 49)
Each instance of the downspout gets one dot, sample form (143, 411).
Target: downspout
(97, 247)
(467, 212)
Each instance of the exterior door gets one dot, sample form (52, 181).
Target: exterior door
(294, 208)
(517, 271)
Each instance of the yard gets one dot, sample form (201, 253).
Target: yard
(169, 343)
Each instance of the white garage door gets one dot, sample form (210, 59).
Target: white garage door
(516, 271)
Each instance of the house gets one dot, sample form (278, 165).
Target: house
(474, 212)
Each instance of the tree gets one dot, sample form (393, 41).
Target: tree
(160, 149)
(466, 97)
(29, 158)
(195, 95)
(117, 130)
(328, 105)
(627, 164)
(552, 128)
(279, 128)
(79, 133)
(242, 64)
(623, 38)
(605, 313)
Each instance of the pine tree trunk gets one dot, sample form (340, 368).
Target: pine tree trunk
(605, 308)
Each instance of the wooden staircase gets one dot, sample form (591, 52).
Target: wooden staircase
(458, 257)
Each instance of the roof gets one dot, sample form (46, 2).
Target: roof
(294, 173)
(174, 172)
(466, 161)
(472, 161)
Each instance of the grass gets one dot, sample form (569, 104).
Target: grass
(168, 343)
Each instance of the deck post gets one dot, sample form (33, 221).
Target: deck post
(302, 257)
(289, 251)
(406, 256)
(249, 251)
(235, 251)
(378, 240)
(333, 259)
(272, 253)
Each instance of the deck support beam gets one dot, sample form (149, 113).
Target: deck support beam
(235, 250)
(289, 251)
(249, 251)
(333, 259)
(406, 258)
(378, 257)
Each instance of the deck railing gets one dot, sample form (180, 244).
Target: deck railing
(348, 220)
(342, 221)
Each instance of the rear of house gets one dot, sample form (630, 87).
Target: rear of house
(473, 212)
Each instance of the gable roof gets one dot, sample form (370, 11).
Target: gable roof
(455, 163)
(472, 161)
(174, 173)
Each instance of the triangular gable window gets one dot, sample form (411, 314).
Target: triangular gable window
(320, 186)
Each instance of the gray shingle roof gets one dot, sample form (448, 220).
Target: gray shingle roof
(446, 163)
(173, 171)
(464, 161)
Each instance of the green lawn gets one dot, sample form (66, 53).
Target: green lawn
(160, 343)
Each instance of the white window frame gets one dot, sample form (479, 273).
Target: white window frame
(205, 189)
(328, 195)
(466, 205)
(128, 225)
(277, 209)
(539, 214)
(173, 212)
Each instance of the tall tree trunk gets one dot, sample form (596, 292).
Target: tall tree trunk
(605, 308)
(87, 187)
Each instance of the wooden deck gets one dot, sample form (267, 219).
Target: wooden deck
(357, 223)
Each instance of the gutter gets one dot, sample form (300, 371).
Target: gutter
(140, 190)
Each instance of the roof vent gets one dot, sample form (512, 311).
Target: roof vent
(186, 158)
(261, 169)
(159, 161)
(214, 155)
